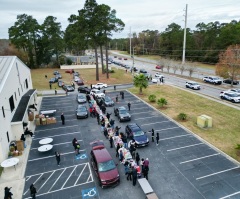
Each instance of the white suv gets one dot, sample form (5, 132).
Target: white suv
(193, 85)
(230, 96)
(97, 93)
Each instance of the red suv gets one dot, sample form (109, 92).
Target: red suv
(103, 165)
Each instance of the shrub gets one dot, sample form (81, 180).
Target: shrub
(152, 98)
(69, 61)
(182, 116)
(161, 102)
(109, 71)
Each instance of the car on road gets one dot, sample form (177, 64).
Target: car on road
(81, 98)
(60, 83)
(158, 75)
(230, 96)
(133, 131)
(158, 67)
(68, 88)
(81, 112)
(53, 80)
(103, 165)
(193, 85)
(154, 80)
(84, 89)
(237, 90)
(76, 74)
(80, 82)
(108, 101)
(142, 70)
(99, 85)
(212, 80)
(122, 114)
(229, 81)
(97, 93)
(76, 78)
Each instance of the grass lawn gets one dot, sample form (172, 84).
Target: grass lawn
(225, 132)
(88, 75)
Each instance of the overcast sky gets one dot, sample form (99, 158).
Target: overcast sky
(138, 14)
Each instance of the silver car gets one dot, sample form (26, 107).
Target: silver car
(81, 98)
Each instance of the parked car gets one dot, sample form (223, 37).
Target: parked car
(56, 72)
(158, 67)
(60, 83)
(58, 76)
(81, 98)
(80, 82)
(81, 112)
(142, 70)
(69, 71)
(134, 69)
(99, 85)
(68, 88)
(53, 80)
(120, 58)
(84, 89)
(193, 85)
(154, 80)
(212, 80)
(230, 96)
(122, 114)
(229, 81)
(76, 74)
(108, 101)
(158, 75)
(76, 78)
(97, 93)
(133, 131)
(103, 165)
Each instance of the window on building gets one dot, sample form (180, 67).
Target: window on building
(18, 91)
(11, 103)
(8, 137)
(15, 96)
(3, 112)
(26, 82)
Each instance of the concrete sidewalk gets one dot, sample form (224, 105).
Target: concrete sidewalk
(15, 177)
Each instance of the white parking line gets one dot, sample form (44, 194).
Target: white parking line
(217, 173)
(56, 128)
(167, 129)
(141, 113)
(66, 134)
(185, 147)
(178, 136)
(199, 158)
(228, 196)
(139, 108)
(53, 156)
(56, 180)
(155, 123)
(142, 118)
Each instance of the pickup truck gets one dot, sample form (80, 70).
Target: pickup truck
(212, 80)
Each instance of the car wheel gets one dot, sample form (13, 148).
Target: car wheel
(232, 101)
(186, 86)
(222, 97)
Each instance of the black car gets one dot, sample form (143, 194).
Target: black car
(108, 101)
(229, 81)
(84, 89)
(68, 88)
(81, 112)
(122, 114)
(53, 80)
(133, 131)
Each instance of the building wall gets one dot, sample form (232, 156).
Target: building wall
(14, 85)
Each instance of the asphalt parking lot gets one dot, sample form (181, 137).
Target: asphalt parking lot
(181, 166)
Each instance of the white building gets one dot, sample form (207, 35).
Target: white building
(16, 94)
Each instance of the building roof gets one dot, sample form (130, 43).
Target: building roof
(23, 105)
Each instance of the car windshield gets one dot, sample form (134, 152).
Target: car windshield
(233, 95)
(81, 97)
(215, 78)
(108, 99)
(122, 111)
(138, 133)
(196, 84)
(81, 109)
(106, 166)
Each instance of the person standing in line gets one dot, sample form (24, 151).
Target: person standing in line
(157, 139)
(111, 141)
(23, 139)
(112, 123)
(137, 158)
(33, 191)
(152, 135)
(98, 118)
(142, 164)
(58, 158)
(108, 115)
(145, 172)
(134, 175)
(117, 149)
(122, 95)
(117, 98)
(63, 119)
(129, 106)
(129, 176)
(50, 85)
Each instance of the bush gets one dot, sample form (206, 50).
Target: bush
(182, 116)
(161, 102)
(69, 61)
(152, 98)
(109, 71)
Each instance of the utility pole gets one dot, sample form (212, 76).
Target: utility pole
(184, 37)
(130, 43)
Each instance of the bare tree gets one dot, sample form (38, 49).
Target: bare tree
(168, 65)
(160, 62)
(175, 67)
(182, 68)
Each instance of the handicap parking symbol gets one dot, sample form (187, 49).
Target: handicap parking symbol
(88, 193)
(81, 156)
